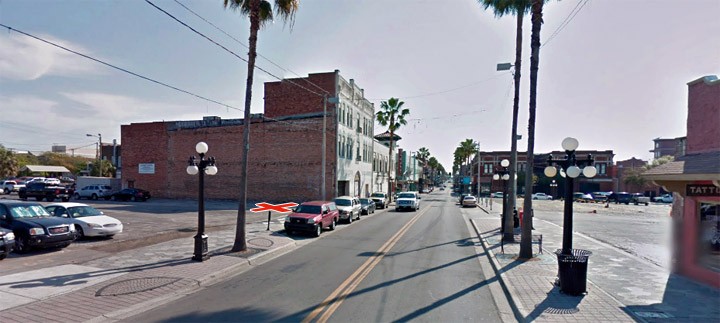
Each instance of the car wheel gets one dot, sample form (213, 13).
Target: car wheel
(135, 199)
(3, 256)
(358, 216)
(350, 219)
(333, 224)
(21, 245)
(646, 203)
(288, 232)
(318, 230)
(79, 233)
(76, 196)
(7, 191)
(94, 196)
(65, 199)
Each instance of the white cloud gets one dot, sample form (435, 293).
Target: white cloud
(24, 58)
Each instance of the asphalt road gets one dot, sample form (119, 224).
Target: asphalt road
(393, 266)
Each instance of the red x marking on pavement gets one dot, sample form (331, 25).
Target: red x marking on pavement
(282, 208)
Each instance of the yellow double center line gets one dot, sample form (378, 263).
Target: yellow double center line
(332, 302)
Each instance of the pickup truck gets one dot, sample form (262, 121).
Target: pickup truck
(665, 198)
(10, 186)
(49, 192)
(638, 198)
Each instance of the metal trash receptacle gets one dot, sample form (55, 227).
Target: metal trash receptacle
(572, 271)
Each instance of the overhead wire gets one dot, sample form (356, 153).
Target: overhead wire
(566, 21)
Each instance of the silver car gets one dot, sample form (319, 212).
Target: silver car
(349, 208)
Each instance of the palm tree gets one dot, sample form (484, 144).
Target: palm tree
(392, 115)
(468, 148)
(537, 20)
(260, 13)
(518, 8)
(433, 164)
(422, 155)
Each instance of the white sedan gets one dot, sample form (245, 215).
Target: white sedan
(541, 196)
(88, 220)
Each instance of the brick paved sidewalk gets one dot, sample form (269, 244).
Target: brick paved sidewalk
(129, 282)
(531, 284)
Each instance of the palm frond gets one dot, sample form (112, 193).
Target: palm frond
(286, 9)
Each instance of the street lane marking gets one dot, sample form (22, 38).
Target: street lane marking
(332, 302)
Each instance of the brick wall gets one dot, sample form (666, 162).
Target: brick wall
(285, 159)
(703, 132)
(293, 96)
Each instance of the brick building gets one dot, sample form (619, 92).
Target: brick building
(694, 179)
(668, 147)
(285, 159)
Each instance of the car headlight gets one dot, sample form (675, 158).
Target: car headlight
(94, 225)
(287, 218)
(311, 221)
(10, 236)
(36, 231)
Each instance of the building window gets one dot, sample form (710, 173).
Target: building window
(487, 168)
(708, 244)
(602, 168)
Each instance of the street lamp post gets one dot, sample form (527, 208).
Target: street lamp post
(572, 271)
(504, 174)
(553, 189)
(99, 151)
(204, 166)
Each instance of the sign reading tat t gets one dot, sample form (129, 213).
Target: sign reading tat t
(282, 208)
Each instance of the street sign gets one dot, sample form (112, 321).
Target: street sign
(466, 180)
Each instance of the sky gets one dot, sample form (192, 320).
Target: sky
(612, 73)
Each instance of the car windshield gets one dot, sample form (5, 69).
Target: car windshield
(343, 202)
(366, 201)
(28, 211)
(378, 195)
(83, 211)
(406, 196)
(314, 209)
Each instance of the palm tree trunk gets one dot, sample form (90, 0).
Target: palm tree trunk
(513, 149)
(240, 243)
(537, 20)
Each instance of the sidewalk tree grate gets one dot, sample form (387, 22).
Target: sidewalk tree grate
(137, 285)
(554, 310)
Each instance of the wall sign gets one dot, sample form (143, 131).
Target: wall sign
(146, 168)
(702, 190)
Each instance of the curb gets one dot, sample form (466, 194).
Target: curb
(519, 315)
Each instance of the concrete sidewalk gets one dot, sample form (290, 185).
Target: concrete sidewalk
(132, 281)
(621, 287)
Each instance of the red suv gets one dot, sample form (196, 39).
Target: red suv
(312, 217)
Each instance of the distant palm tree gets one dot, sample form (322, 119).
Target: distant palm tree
(518, 8)
(392, 115)
(537, 21)
(422, 155)
(469, 147)
(433, 164)
(260, 13)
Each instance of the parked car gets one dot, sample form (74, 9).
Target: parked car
(134, 194)
(582, 197)
(541, 196)
(665, 198)
(367, 206)
(497, 194)
(88, 220)
(639, 198)
(381, 199)
(94, 192)
(349, 208)
(10, 186)
(7, 242)
(407, 200)
(34, 227)
(620, 197)
(469, 200)
(41, 190)
(600, 196)
(312, 217)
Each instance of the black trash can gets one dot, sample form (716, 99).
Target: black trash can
(572, 271)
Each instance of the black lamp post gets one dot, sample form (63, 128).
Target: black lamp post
(572, 270)
(204, 166)
(504, 174)
(553, 189)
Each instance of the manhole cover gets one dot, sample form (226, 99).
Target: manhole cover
(261, 242)
(137, 285)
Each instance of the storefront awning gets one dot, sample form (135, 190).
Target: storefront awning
(689, 168)
(45, 169)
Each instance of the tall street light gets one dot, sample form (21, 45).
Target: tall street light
(326, 100)
(99, 151)
(203, 166)
(504, 174)
(514, 136)
(572, 271)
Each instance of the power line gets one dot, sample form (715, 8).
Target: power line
(567, 21)
(449, 90)
(246, 46)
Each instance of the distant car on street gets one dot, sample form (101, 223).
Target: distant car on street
(381, 199)
(93, 192)
(407, 200)
(582, 197)
(541, 196)
(497, 194)
(600, 196)
(88, 220)
(639, 198)
(349, 208)
(312, 217)
(469, 201)
(367, 206)
(131, 194)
